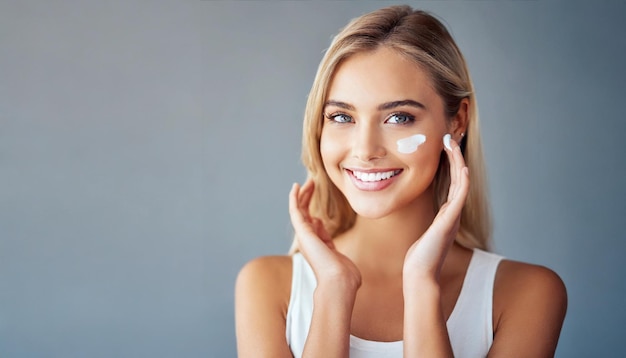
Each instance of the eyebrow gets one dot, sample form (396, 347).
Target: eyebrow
(382, 107)
(404, 102)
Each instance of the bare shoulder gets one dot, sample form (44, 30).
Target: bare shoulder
(262, 294)
(267, 276)
(266, 266)
(530, 303)
(518, 282)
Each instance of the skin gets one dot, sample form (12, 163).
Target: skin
(388, 278)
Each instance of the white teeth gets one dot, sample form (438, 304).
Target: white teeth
(362, 176)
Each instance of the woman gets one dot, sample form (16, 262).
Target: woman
(392, 225)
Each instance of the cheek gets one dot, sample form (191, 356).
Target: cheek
(426, 157)
(410, 144)
(421, 144)
(425, 136)
(330, 150)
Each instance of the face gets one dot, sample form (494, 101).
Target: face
(379, 106)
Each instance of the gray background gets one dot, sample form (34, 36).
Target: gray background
(147, 149)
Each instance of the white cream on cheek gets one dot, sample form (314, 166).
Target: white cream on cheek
(409, 145)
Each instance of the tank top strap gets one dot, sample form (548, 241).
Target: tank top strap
(300, 309)
(471, 321)
(470, 325)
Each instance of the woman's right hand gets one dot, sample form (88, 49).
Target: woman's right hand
(329, 265)
(338, 279)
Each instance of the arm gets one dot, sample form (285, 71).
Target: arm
(424, 318)
(338, 280)
(329, 335)
(263, 291)
(530, 303)
(261, 298)
(425, 330)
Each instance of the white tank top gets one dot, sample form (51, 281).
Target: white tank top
(470, 325)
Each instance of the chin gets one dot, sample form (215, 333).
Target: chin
(370, 210)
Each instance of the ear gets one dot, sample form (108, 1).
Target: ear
(460, 121)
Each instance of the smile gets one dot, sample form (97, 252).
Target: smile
(374, 177)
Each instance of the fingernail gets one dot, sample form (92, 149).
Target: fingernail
(446, 141)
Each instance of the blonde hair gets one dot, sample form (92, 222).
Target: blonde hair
(423, 39)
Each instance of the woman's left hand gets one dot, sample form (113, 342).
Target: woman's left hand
(425, 257)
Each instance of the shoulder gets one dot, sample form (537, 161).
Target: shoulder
(265, 265)
(266, 278)
(530, 303)
(261, 300)
(519, 283)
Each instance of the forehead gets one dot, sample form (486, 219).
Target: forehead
(379, 76)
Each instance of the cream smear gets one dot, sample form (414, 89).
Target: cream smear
(446, 141)
(409, 145)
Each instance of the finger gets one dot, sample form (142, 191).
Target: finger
(306, 193)
(298, 212)
(321, 230)
(457, 163)
(461, 172)
(462, 190)
(312, 246)
(305, 232)
(294, 210)
(304, 199)
(297, 217)
(308, 184)
(452, 168)
(464, 185)
(455, 167)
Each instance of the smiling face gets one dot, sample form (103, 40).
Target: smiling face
(375, 100)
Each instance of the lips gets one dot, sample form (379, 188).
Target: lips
(372, 180)
(375, 176)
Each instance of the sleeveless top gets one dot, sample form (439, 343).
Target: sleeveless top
(470, 326)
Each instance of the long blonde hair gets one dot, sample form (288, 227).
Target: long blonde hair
(423, 39)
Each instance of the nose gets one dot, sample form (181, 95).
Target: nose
(367, 142)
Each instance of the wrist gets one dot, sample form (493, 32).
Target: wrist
(336, 291)
(336, 303)
(420, 274)
(338, 282)
(420, 286)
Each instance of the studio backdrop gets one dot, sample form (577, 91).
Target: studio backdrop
(147, 149)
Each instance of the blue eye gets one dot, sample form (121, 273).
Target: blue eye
(339, 118)
(400, 118)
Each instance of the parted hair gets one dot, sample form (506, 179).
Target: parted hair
(423, 39)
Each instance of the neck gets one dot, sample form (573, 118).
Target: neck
(380, 245)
